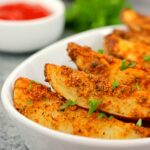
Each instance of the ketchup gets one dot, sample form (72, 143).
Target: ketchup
(23, 11)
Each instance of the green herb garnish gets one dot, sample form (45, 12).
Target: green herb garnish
(93, 105)
(115, 84)
(110, 117)
(139, 123)
(124, 64)
(146, 58)
(137, 86)
(101, 115)
(68, 103)
(30, 102)
(30, 85)
(100, 51)
(131, 64)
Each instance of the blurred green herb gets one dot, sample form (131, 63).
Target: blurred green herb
(93, 105)
(146, 58)
(101, 115)
(83, 14)
(68, 103)
(100, 51)
(139, 123)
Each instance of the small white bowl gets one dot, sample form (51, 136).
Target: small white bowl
(31, 35)
(38, 137)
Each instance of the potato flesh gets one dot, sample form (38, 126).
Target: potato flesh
(77, 85)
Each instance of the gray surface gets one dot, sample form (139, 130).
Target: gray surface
(9, 136)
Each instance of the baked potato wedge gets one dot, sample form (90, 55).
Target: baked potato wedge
(135, 21)
(38, 103)
(133, 36)
(134, 51)
(114, 99)
(108, 67)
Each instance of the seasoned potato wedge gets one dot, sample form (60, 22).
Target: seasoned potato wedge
(135, 51)
(38, 103)
(133, 36)
(136, 21)
(120, 100)
(108, 67)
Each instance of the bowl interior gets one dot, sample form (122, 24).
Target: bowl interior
(33, 68)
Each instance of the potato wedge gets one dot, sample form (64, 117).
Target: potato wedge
(133, 36)
(135, 21)
(135, 51)
(38, 103)
(108, 67)
(77, 85)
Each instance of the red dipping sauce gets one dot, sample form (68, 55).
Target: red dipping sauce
(23, 11)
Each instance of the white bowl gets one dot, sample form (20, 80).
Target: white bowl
(25, 36)
(38, 137)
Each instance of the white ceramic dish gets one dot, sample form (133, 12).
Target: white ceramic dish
(38, 137)
(25, 36)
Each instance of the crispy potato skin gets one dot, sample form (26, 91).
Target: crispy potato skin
(121, 47)
(133, 36)
(135, 21)
(107, 67)
(45, 110)
(77, 85)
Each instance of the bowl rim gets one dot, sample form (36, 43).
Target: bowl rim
(42, 20)
(9, 108)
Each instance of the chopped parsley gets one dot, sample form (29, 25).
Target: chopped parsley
(30, 85)
(115, 84)
(30, 102)
(93, 105)
(101, 115)
(68, 103)
(131, 64)
(110, 117)
(146, 58)
(139, 123)
(124, 64)
(137, 86)
(100, 51)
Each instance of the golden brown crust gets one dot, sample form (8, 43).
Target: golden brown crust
(125, 48)
(133, 36)
(77, 85)
(107, 67)
(135, 21)
(45, 110)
